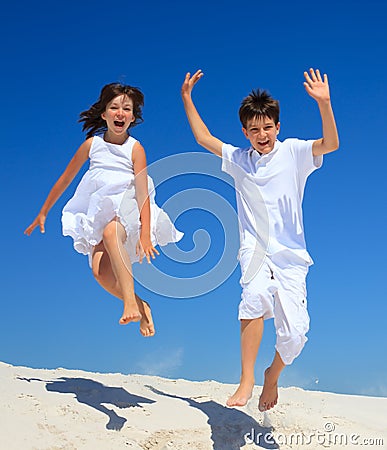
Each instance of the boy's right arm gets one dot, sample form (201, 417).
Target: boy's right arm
(80, 157)
(202, 134)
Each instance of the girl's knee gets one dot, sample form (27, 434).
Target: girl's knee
(113, 231)
(110, 232)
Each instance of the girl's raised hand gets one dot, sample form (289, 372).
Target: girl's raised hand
(38, 222)
(316, 87)
(189, 82)
(145, 248)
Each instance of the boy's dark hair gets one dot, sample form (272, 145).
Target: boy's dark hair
(92, 119)
(258, 104)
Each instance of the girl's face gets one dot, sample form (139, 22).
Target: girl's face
(119, 115)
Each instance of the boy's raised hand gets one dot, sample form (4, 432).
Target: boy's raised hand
(316, 87)
(189, 83)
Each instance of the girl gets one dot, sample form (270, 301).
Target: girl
(112, 216)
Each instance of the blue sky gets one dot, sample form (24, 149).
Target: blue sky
(56, 57)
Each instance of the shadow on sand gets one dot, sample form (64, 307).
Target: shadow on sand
(231, 428)
(94, 394)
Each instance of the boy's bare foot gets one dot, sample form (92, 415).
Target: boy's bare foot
(130, 314)
(269, 395)
(242, 395)
(147, 327)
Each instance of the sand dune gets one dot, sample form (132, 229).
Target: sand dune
(72, 409)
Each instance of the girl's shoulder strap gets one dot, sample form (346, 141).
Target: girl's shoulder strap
(97, 142)
(129, 144)
(131, 141)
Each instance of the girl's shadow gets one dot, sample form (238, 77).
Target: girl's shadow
(94, 394)
(231, 428)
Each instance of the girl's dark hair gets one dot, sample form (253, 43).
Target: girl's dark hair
(92, 119)
(259, 103)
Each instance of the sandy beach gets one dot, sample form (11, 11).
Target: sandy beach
(73, 409)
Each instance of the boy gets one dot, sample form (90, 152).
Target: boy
(269, 177)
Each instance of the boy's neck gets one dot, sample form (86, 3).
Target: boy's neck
(259, 153)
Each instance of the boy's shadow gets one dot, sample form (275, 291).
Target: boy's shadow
(94, 394)
(231, 429)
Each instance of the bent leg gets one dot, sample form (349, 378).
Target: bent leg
(251, 335)
(104, 275)
(291, 315)
(103, 272)
(114, 236)
(256, 305)
(291, 321)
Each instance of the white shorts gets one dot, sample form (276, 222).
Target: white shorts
(276, 287)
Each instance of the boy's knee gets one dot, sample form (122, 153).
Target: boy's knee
(292, 324)
(290, 343)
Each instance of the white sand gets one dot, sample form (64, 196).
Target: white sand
(72, 409)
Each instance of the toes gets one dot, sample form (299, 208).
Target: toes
(230, 402)
(265, 406)
(236, 402)
(147, 332)
(126, 318)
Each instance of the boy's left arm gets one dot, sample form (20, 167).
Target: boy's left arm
(318, 89)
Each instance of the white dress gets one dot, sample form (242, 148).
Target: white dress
(107, 190)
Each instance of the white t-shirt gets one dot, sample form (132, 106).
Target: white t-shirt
(269, 190)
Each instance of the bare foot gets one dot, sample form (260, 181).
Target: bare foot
(130, 314)
(242, 395)
(147, 327)
(269, 395)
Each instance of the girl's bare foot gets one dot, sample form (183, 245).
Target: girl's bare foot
(243, 394)
(130, 314)
(147, 327)
(269, 395)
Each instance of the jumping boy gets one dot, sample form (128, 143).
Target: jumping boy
(269, 178)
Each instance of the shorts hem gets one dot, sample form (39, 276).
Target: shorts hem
(265, 316)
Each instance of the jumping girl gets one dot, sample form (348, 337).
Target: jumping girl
(113, 217)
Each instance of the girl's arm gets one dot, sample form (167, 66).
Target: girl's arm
(144, 245)
(80, 157)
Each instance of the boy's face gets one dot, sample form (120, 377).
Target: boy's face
(262, 133)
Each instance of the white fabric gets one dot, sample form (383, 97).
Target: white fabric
(107, 190)
(273, 256)
(269, 190)
(278, 290)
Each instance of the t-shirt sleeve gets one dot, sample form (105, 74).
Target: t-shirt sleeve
(305, 161)
(229, 159)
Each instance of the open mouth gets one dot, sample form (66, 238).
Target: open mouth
(263, 143)
(119, 123)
